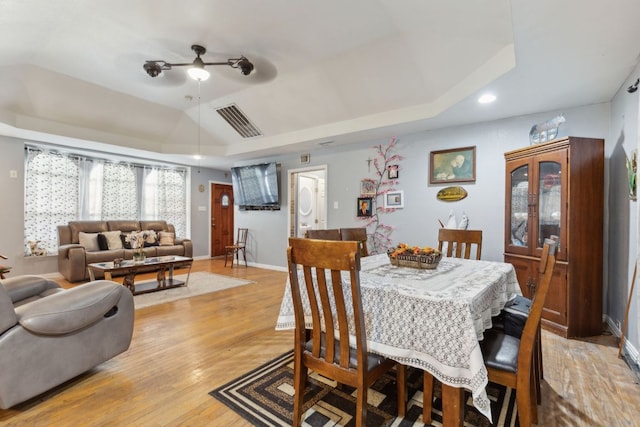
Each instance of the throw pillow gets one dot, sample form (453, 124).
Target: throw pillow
(113, 239)
(102, 242)
(151, 238)
(123, 239)
(89, 241)
(167, 238)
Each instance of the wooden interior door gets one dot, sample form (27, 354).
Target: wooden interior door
(221, 218)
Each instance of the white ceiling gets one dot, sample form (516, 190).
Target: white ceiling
(342, 71)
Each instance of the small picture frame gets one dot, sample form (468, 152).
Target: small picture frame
(392, 171)
(367, 188)
(364, 208)
(455, 165)
(394, 200)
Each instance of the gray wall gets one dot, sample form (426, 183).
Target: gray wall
(417, 223)
(622, 213)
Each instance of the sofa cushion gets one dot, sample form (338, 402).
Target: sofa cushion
(102, 242)
(113, 239)
(89, 241)
(123, 225)
(85, 226)
(104, 256)
(166, 238)
(157, 225)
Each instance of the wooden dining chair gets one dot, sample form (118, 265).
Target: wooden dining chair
(359, 235)
(328, 234)
(239, 246)
(511, 361)
(334, 306)
(460, 242)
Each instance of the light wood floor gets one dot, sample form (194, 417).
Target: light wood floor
(183, 350)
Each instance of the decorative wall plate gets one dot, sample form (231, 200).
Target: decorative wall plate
(451, 194)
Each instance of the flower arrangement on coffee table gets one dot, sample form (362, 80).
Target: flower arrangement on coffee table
(404, 255)
(136, 239)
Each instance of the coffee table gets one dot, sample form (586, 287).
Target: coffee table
(129, 269)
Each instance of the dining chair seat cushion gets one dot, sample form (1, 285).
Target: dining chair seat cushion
(373, 360)
(500, 351)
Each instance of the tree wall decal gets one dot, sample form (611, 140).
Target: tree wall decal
(379, 234)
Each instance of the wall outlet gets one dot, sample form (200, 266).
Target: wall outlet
(618, 325)
(13, 174)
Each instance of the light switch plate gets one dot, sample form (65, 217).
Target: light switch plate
(13, 174)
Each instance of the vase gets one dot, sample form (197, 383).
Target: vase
(139, 257)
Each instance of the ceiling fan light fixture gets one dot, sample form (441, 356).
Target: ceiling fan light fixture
(198, 73)
(196, 68)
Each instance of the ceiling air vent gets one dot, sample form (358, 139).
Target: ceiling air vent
(239, 121)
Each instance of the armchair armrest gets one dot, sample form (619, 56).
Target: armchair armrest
(70, 310)
(22, 287)
(72, 261)
(188, 246)
(64, 250)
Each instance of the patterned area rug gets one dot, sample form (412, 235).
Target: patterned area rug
(199, 283)
(264, 398)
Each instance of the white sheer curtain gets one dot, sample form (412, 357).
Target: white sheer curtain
(60, 188)
(165, 197)
(119, 191)
(52, 184)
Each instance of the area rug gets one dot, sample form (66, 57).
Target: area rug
(199, 283)
(264, 397)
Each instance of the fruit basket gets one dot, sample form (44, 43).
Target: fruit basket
(404, 255)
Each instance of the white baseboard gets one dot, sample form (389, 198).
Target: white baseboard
(631, 352)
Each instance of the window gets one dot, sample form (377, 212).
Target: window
(62, 187)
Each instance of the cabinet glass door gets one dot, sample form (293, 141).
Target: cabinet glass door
(519, 215)
(549, 212)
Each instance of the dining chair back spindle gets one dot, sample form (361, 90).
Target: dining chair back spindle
(335, 305)
(239, 246)
(460, 242)
(328, 234)
(358, 234)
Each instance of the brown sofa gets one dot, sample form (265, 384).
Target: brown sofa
(73, 258)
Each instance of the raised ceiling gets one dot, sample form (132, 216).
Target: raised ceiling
(342, 71)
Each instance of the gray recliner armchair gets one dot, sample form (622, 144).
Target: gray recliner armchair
(49, 335)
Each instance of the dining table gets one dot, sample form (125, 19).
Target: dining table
(431, 319)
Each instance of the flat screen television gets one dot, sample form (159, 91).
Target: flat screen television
(255, 187)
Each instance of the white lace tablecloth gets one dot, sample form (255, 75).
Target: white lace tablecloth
(430, 319)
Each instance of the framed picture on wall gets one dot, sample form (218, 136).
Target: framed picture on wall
(454, 165)
(364, 206)
(392, 171)
(367, 188)
(394, 200)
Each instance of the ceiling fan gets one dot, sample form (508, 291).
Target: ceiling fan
(197, 70)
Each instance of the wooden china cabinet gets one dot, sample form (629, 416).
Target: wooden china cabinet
(557, 189)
